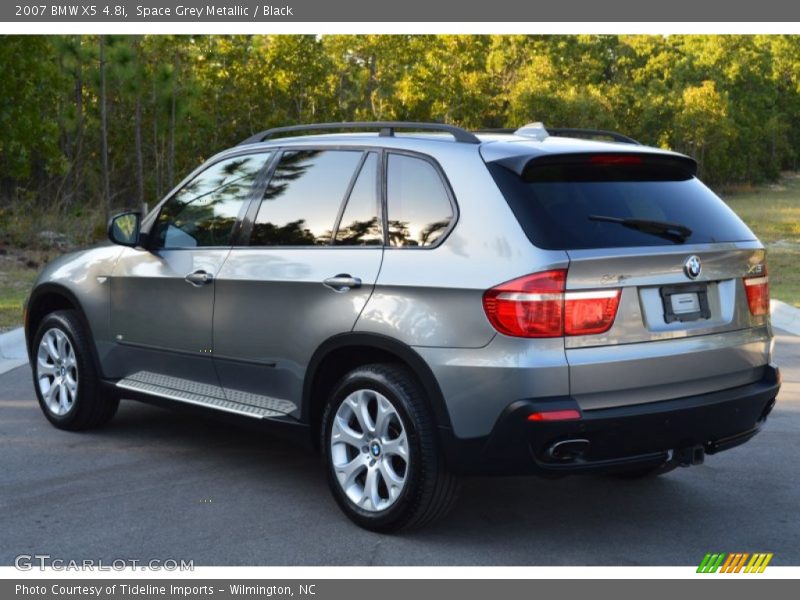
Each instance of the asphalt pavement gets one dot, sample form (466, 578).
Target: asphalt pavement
(158, 484)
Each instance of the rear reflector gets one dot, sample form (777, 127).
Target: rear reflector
(537, 306)
(555, 415)
(757, 288)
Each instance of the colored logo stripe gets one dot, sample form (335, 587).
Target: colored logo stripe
(734, 562)
(710, 563)
(758, 563)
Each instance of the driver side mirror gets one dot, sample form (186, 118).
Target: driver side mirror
(123, 229)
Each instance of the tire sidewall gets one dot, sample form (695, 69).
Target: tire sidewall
(399, 511)
(84, 367)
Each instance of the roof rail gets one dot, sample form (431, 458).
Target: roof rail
(385, 129)
(573, 132)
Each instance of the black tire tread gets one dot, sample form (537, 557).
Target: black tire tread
(93, 408)
(438, 489)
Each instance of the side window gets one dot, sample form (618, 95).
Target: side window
(204, 211)
(419, 209)
(303, 197)
(360, 224)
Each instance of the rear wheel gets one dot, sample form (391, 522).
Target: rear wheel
(379, 441)
(65, 376)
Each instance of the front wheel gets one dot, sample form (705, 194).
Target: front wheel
(379, 441)
(65, 376)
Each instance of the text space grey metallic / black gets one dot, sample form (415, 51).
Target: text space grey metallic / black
(422, 302)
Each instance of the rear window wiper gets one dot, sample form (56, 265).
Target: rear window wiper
(671, 231)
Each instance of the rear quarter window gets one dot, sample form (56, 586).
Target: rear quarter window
(419, 207)
(555, 206)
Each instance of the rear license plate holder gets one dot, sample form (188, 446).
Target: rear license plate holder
(684, 303)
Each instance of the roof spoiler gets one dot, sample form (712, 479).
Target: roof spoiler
(524, 164)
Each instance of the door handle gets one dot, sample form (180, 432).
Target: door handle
(199, 278)
(342, 283)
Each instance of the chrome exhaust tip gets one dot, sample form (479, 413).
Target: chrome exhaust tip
(567, 450)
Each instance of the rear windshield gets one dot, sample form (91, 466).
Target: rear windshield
(574, 208)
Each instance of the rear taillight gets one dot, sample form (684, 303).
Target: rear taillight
(590, 312)
(531, 306)
(538, 306)
(757, 288)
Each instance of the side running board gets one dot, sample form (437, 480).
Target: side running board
(209, 396)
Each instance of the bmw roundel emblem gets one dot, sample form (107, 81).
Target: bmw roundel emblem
(692, 267)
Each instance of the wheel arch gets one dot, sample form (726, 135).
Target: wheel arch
(341, 353)
(47, 298)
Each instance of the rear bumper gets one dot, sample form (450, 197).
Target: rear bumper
(615, 438)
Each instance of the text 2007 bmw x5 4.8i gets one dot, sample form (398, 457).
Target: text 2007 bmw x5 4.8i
(424, 305)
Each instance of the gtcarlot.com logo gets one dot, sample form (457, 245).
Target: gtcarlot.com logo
(734, 562)
(29, 562)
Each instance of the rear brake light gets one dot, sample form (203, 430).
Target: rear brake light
(615, 159)
(555, 415)
(757, 289)
(537, 306)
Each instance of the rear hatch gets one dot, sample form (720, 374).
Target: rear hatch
(692, 302)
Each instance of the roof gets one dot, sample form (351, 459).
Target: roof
(436, 138)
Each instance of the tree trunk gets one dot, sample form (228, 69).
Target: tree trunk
(137, 133)
(62, 197)
(104, 129)
(172, 126)
(156, 153)
(371, 85)
(77, 167)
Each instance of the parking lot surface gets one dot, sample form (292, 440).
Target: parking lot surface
(158, 484)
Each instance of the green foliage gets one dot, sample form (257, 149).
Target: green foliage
(773, 213)
(30, 109)
(732, 102)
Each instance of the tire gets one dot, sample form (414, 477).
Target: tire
(392, 474)
(63, 362)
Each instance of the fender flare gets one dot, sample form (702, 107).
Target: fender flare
(59, 290)
(402, 351)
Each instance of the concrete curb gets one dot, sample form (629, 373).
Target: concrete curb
(785, 316)
(12, 350)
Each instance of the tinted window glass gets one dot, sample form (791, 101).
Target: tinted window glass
(360, 224)
(303, 197)
(419, 208)
(566, 213)
(204, 211)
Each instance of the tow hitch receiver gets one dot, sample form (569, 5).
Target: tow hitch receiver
(693, 455)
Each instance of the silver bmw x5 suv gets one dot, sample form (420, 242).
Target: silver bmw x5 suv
(426, 304)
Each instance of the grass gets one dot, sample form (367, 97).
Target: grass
(16, 278)
(773, 213)
(29, 238)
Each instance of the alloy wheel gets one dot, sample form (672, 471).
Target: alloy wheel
(369, 450)
(57, 372)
